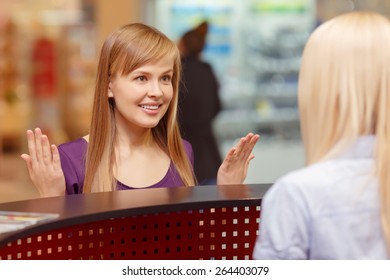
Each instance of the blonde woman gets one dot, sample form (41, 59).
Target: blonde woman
(338, 207)
(134, 140)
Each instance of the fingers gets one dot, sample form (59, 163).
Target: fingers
(39, 148)
(231, 153)
(56, 155)
(46, 150)
(252, 142)
(229, 158)
(235, 165)
(38, 144)
(44, 165)
(240, 147)
(31, 144)
(246, 145)
(252, 156)
(242, 152)
(27, 159)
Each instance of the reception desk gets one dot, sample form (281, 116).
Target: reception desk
(202, 222)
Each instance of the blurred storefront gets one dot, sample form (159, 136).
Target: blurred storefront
(47, 64)
(255, 50)
(40, 53)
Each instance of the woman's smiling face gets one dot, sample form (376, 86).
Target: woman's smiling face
(143, 96)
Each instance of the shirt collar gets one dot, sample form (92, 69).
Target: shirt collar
(362, 147)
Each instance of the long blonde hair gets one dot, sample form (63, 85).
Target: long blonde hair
(344, 92)
(126, 49)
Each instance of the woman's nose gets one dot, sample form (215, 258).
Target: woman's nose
(155, 89)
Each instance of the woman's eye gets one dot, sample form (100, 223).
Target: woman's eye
(166, 78)
(141, 78)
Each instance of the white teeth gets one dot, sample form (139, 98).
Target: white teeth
(150, 107)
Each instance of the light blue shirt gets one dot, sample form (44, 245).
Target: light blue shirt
(328, 210)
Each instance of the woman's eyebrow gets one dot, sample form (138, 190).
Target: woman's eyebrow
(142, 72)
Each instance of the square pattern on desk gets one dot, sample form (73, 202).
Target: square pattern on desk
(214, 233)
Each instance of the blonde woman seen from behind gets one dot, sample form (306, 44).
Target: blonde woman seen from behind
(338, 206)
(134, 140)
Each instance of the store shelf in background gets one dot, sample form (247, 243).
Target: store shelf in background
(282, 123)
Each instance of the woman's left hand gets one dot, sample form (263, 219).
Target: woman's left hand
(234, 167)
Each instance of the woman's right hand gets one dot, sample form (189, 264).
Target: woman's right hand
(44, 165)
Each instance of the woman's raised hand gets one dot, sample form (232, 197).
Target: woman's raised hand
(44, 165)
(234, 167)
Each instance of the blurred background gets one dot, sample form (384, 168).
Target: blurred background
(49, 51)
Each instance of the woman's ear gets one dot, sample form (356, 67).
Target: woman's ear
(110, 94)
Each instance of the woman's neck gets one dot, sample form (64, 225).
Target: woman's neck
(131, 139)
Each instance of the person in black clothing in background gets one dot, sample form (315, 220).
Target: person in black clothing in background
(199, 103)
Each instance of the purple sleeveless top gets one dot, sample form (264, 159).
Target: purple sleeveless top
(73, 154)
